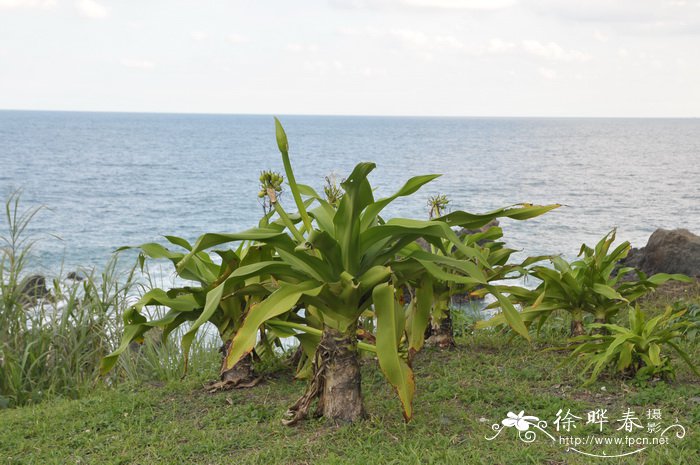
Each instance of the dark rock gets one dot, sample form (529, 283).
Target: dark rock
(75, 276)
(674, 251)
(34, 287)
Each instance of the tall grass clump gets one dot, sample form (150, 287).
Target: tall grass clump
(54, 331)
(51, 340)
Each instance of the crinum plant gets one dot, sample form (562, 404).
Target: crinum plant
(592, 285)
(634, 350)
(337, 263)
(202, 300)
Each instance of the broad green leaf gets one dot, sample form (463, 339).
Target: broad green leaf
(607, 291)
(516, 212)
(661, 278)
(655, 354)
(279, 302)
(411, 186)
(212, 303)
(390, 326)
(134, 328)
(346, 221)
(420, 314)
(511, 315)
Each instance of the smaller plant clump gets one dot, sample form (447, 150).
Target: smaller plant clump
(593, 285)
(635, 350)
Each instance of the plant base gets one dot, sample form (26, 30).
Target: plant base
(441, 335)
(336, 382)
(239, 377)
(577, 328)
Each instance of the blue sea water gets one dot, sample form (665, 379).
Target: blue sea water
(114, 179)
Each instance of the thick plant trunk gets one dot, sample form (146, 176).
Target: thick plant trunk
(441, 334)
(336, 382)
(240, 376)
(577, 328)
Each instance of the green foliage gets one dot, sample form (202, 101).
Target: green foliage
(223, 295)
(340, 262)
(634, 350)
(586, 286)
(692, 316)
(51, 342)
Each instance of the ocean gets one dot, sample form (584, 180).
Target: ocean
(114, 179)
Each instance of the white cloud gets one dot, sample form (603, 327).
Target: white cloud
(552, 51)
(497, 45)
(636, 16)
(425, 4)
(17, 4)
(461, 4)
(296, 47)
(427, 43)
(599, 36)
(411, 37)
(138, 64)
(237, 39)
(547, 73)
(199, 36)
(91, 9)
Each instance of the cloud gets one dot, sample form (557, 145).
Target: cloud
(635, 16)
(547, 73)
(28, 4)
(91, 9)
(237, 39)
(424, 4)
(430, 45)
(296, 47)
(552, 51)
(444, 43)
(599, 36)
(138, 64)
(199, 36)
(460, 4)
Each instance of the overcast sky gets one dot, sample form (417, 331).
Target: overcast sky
(377, 57)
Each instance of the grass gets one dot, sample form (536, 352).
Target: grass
(460, 394)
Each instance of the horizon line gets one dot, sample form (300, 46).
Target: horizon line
(359, 115)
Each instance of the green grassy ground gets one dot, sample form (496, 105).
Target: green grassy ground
(460, 394)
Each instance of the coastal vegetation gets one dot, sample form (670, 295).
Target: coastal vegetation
(345, 299)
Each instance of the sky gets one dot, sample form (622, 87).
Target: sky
(638, 58)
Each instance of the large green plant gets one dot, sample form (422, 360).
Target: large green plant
(634, 350)
(338, 262)
(205, 300)
(592, 285)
